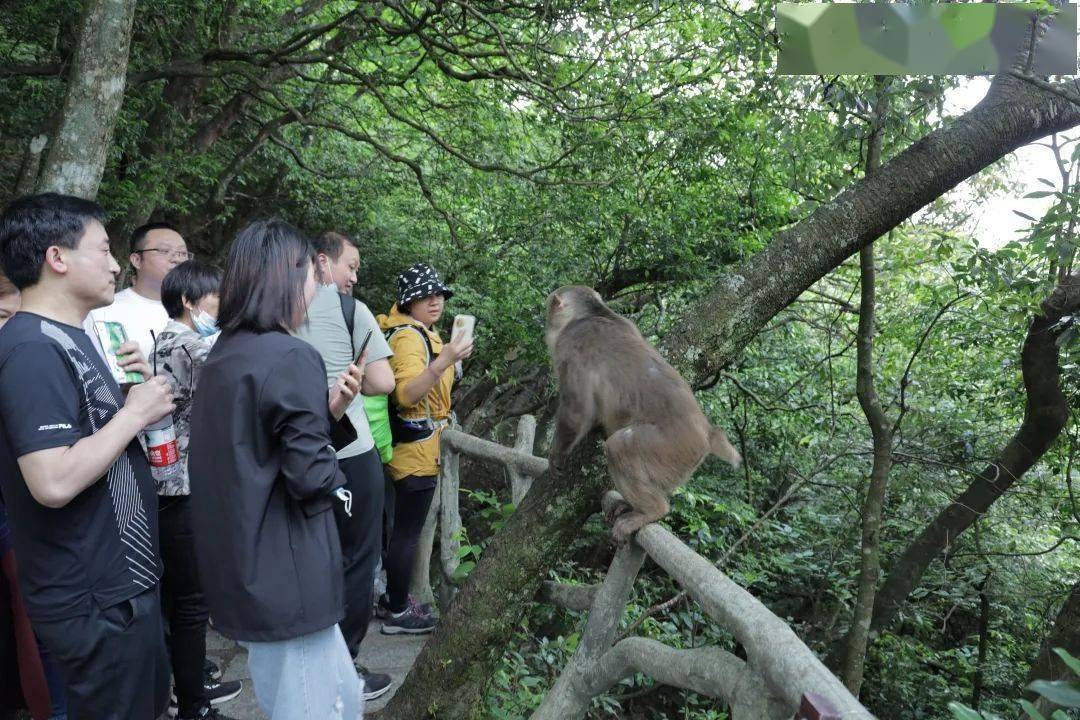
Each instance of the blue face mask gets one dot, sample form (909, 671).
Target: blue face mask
(205, 324)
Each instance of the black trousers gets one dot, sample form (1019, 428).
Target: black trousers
(113, 660)
(412, 498)
(361, 541)
(183, 601)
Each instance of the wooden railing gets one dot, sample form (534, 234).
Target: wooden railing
(444, 516)
(780, 678)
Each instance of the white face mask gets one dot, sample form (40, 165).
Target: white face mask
(205, 323)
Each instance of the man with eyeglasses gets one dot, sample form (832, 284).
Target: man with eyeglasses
(156, 248)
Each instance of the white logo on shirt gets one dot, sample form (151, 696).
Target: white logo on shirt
(57, 426)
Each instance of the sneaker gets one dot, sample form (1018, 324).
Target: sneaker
(219, 692)
(424, 609)
(209, 713)
(216, 693)
(409, 622)
(375, 684)
(382, 609)
(211, 669)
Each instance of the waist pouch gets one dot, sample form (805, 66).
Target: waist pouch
(407, 431)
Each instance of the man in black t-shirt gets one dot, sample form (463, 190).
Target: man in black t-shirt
(76, 482)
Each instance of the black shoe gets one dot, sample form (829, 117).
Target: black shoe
(209, 713)
(219, 692)
(409, 621)
(211, 669)
(375, 684)
(216, 693)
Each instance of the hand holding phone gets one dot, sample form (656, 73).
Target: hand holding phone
(463, 327)
(462, 334)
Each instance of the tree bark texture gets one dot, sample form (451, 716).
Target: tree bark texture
(475, 628)
(76, 158)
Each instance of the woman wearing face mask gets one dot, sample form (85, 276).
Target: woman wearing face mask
(190, 296)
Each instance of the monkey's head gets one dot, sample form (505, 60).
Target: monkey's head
(569, 303)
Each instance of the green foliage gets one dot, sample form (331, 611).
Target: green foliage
(645, 149)
(1065, 693)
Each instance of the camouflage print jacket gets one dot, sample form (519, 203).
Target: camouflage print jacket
(180, 354)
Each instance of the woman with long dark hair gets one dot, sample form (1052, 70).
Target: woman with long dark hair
(264, 477)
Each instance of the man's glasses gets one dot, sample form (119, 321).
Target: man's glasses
(180, 255)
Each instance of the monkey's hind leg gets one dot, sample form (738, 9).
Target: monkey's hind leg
(631, 454)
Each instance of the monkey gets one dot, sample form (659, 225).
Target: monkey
(609, 375)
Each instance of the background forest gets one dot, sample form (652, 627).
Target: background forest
(648, 149)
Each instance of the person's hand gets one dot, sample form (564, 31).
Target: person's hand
(459, 348)
(150, 401)
(130, 359)
(347, 387)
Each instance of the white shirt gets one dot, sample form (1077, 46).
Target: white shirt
(138, 315)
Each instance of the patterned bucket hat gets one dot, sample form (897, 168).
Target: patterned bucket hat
(420, 281)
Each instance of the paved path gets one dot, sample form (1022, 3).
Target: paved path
(393, 654)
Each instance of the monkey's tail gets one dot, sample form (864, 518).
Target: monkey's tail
(722, 448)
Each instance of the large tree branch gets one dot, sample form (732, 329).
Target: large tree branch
(772, 648)
(710, 671)
(1045, 413)
(745, 299)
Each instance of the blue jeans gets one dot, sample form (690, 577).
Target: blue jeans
(310, 677)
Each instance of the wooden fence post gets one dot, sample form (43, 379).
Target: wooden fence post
(521, 482)
(449, 521)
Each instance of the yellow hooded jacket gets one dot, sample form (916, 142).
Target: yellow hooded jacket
(408, 361)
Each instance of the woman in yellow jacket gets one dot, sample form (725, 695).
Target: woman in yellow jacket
(419, 409)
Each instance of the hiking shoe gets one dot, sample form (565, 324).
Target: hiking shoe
(216, 693)
(375, 684)
(409, 622)
(211, 669)
(209, 713)
(382, 609)
(424, 609)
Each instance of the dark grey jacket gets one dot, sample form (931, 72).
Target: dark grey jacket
(262, 467)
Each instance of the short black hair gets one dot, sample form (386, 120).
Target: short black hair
(263, 285)
(138, 235)
(332, 244)
(32, 224)
(191, 281)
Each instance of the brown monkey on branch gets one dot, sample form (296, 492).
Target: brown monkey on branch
(609, 375)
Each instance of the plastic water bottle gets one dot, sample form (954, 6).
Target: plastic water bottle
(162, 450)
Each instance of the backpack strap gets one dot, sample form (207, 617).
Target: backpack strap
(427, 341)
(427, 362)
(348, 312)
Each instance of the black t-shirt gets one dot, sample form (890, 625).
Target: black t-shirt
(102, 546)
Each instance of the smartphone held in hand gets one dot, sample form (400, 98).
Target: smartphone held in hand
(363, 347)
(463, 327)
